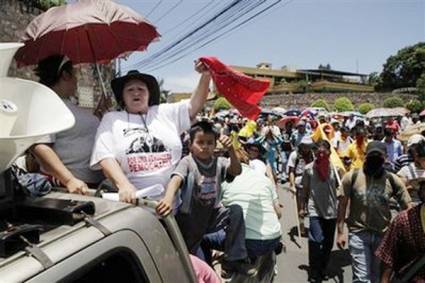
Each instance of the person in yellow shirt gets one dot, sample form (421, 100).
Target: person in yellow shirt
(356, 151)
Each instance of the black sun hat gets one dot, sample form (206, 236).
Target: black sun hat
(118, 84)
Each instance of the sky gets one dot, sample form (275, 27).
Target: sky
(350, 35)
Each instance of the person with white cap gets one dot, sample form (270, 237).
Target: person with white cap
(298, 134)
(414, 172)
(297, 162)
(405, 159)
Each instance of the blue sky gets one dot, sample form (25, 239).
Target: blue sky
(302, 34)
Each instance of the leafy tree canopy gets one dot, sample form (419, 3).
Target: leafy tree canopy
(221, 103)
(321, 103)
(343, 104)
(404, 68)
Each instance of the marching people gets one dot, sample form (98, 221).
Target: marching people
(320, 185)
(402, 250)
(414, 172)
(368, 190)
(297, 162)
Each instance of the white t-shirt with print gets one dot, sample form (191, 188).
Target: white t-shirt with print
(147, 147)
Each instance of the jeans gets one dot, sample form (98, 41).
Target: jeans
(366, 266)
(215, 241)
(194, 226)
(320, 242)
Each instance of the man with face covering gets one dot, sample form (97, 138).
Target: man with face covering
(368, 190)
(320, 200)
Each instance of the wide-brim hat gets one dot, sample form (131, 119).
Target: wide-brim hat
(118, 84)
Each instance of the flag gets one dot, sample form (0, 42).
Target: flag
(242, 91)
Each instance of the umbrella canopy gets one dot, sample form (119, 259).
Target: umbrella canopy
(285, 120)
(89, 31)
(411, 130)
(293, 112)
(387, 112)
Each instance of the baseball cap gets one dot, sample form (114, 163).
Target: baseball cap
(414, 139)
(376, 146)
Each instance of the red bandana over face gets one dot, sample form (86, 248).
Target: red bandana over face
(242, 91)
(322, 165)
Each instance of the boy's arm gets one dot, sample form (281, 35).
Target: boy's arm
(235, 167)
(165, 205)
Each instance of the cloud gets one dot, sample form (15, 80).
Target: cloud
(185, 83)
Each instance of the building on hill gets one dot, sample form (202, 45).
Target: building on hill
(285, 80)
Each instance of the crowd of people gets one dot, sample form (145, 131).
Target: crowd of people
(220, 174)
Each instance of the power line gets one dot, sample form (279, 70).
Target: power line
(191, 33)
(222, 34)
(153, 9)
(168, 11)
(191, 17)
(200, 37)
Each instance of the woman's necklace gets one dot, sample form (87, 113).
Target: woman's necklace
(143, 117)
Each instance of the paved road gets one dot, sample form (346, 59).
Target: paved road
(293, 266)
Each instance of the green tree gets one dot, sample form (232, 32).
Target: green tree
(393, 102)
(221, 103)
(374, 79)
(343, 104)
(366, 107)
(164, 93)
(420, 86)
(47, 4)
(321, 103)
(414, 105)
(404, 68)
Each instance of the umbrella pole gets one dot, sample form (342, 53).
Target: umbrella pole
(102, 104)
(102, 83)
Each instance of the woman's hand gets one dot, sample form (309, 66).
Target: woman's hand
(76, 186)
(127, 193)
(201, 67)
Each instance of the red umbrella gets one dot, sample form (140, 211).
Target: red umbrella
(89, 31)
(282, 122)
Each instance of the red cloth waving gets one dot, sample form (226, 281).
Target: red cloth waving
(242, 91)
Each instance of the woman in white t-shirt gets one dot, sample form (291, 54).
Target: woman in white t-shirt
(140, 146)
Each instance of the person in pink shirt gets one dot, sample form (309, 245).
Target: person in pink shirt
(204, 273)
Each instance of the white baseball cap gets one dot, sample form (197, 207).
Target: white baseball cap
(414, 139)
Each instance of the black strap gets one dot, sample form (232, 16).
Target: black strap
(37, 253)
(93, 222)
